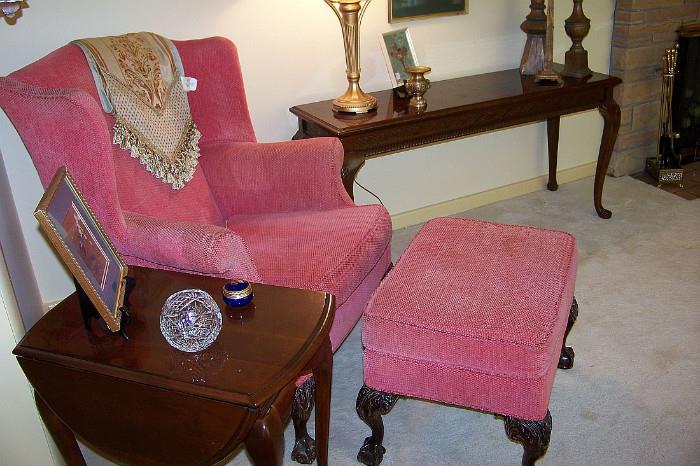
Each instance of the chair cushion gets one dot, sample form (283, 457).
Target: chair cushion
(328, 250)
(471, 309)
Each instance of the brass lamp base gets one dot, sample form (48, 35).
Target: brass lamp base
(354, 101)
(350, 13)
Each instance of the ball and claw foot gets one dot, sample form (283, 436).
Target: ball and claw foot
(566, 358)
(533, 435)
(371, 406)
(370, 453)
(304, 450)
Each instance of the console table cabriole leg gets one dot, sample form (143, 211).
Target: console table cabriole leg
(533, 435)
(371, 406)
(61, 434)
(566, 358)
(553, 150)
(611, 116)
(351, 165)
(300, 134)
(304, 450)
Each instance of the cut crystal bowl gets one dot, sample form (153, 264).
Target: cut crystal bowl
(190, 320)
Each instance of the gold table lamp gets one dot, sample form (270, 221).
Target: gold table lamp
(350, 13)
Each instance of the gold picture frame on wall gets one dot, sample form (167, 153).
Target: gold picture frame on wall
(81, 243)
(409, 10)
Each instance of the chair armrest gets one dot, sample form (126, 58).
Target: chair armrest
(252, 178)
(189, 247)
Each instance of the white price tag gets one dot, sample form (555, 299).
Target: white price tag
(189, 84)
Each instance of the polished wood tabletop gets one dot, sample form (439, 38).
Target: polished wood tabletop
(450, 96)
(113, 392)
(461, 107)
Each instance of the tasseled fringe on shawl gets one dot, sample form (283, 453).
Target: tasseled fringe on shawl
(176, 173)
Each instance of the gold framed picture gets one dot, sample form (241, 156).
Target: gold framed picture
(81, 243)
(408, 10)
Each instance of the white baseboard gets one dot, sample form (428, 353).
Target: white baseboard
(455, 206)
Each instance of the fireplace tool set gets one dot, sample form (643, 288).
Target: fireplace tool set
(665, 168)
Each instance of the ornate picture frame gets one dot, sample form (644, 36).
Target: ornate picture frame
(399, 53)
(81, 243)
(408, 10)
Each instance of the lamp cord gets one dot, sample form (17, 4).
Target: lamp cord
(370, 192)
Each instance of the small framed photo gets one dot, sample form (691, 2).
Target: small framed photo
(83, 246)
(399, 53)
(407, 10)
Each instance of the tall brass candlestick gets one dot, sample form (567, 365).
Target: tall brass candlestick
(350, 13)
(547, 75)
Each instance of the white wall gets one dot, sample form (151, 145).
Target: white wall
(18, 263)
(23, 441)
(291, 53)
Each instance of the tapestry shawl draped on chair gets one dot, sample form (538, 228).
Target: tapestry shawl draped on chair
(138, 78)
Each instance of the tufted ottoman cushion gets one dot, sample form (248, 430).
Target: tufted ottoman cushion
(473, 314)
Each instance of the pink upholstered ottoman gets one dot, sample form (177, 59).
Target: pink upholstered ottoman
(474, 314)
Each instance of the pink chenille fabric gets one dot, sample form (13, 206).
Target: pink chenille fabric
(274, 213)
(473, 314)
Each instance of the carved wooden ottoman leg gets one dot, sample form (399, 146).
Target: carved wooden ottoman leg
(566, 359)
(304, 450)
(371, 406)
(533, 435)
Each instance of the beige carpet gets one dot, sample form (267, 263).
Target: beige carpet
(633, 395)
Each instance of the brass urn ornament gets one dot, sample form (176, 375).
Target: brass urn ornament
(417, 85)
(577, 28)
(548, 76)
(535, 26)
(350, 13)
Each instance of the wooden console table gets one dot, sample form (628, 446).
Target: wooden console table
(142, 402)
(465, 106)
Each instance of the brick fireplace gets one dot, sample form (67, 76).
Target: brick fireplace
(643, 30)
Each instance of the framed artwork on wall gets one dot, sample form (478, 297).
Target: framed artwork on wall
(83, 246)
(399, 53)
(407, 10)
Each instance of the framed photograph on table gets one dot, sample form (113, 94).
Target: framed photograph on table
(399, 53)
(407, 10)
(83, 246)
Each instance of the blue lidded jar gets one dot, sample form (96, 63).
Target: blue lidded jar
(237, 293)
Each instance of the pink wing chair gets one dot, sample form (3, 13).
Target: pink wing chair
(273, 213)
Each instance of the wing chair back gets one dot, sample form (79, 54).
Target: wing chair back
(54, 106)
